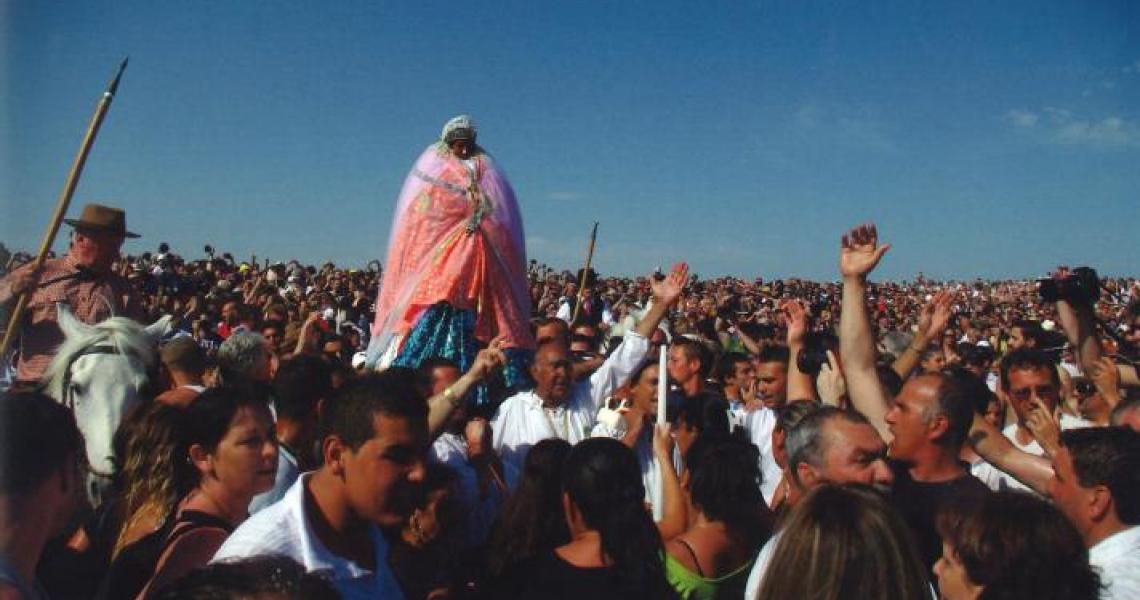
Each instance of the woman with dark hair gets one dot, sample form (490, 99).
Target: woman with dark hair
(230, 443)
(423, 556)
(845, 542)
(729, 521)
(614, 550)
(531, 522)
(1012, 545)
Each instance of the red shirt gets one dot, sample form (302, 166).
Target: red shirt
(90, 301)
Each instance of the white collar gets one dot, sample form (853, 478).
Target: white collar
(1123, 542)
(317, 556)
(534, 402)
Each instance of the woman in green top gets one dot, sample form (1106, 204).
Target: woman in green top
(729, 520)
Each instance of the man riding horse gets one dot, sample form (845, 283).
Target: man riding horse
(83, 279)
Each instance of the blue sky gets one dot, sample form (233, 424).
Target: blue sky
(986, 139)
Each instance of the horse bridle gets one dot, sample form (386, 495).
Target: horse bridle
(68, 400)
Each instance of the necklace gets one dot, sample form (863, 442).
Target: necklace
(565, 432)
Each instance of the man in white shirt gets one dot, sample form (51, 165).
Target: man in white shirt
(557, 407)
(375, 440)
(1096, 483)
(1027, 376)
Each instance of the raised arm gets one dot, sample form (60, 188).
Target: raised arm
(1034, 471)
(618, 367)
(665, 295)
(860, 252)
(799, 383)
(674, 513)
(441, 404)
(932, 321)
(1078, 321)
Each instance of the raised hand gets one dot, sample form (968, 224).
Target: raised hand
(1045, 426)
(489, 359)
(934, 316)
(830, 382)
(860, 252)
(795, 314)
(668, 290)
(1106, 378)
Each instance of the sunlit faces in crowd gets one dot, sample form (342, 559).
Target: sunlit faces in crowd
(1030, 383)
(552, 372)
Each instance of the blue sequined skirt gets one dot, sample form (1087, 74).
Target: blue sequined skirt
(448, 332)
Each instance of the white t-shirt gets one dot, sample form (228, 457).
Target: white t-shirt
(996, 479)
(759, 424)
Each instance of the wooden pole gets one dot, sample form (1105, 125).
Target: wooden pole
(585, 274)
(63, 203)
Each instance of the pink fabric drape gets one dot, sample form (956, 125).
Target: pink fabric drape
(456, 237)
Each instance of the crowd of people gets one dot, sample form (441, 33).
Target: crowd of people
(844, 439)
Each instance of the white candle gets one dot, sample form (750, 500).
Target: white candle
(662, 386)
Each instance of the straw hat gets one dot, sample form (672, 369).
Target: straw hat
(102, 218)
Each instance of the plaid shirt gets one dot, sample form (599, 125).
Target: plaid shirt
(90, 300)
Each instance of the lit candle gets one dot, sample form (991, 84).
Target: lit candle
(662, 386)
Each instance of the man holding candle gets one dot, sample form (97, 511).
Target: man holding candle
(559, 407)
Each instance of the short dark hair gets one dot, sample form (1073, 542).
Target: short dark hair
(563, 326)
(774, 353)
(892, 382)
(208, 417)
(299, 385)
(695, 350)
(39, 437)
(1030, 330)
(725, 482)
(977, 394)
(1028, 358)
(726, 366)
(274, 324)
(273, 576)
(1108, 456)
(351, 412)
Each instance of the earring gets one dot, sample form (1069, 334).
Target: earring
(417, 529)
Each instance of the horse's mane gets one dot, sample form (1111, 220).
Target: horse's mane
(125, 335)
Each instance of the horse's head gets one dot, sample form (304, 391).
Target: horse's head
(98, 372)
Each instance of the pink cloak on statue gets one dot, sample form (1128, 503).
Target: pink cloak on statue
(457, 237)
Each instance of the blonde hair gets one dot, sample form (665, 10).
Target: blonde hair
(845, 542)
(154, 479)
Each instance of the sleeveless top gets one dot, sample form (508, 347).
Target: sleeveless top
(134, 566)
(695, 586)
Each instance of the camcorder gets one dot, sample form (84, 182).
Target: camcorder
(811, 359)
(1082, 286)
(973, 354)
(813, 355)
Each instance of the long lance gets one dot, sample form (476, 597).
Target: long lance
(585, 273)
(63, 203)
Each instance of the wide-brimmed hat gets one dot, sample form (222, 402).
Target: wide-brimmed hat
(102, 218)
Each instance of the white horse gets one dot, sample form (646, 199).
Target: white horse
(98, 372)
